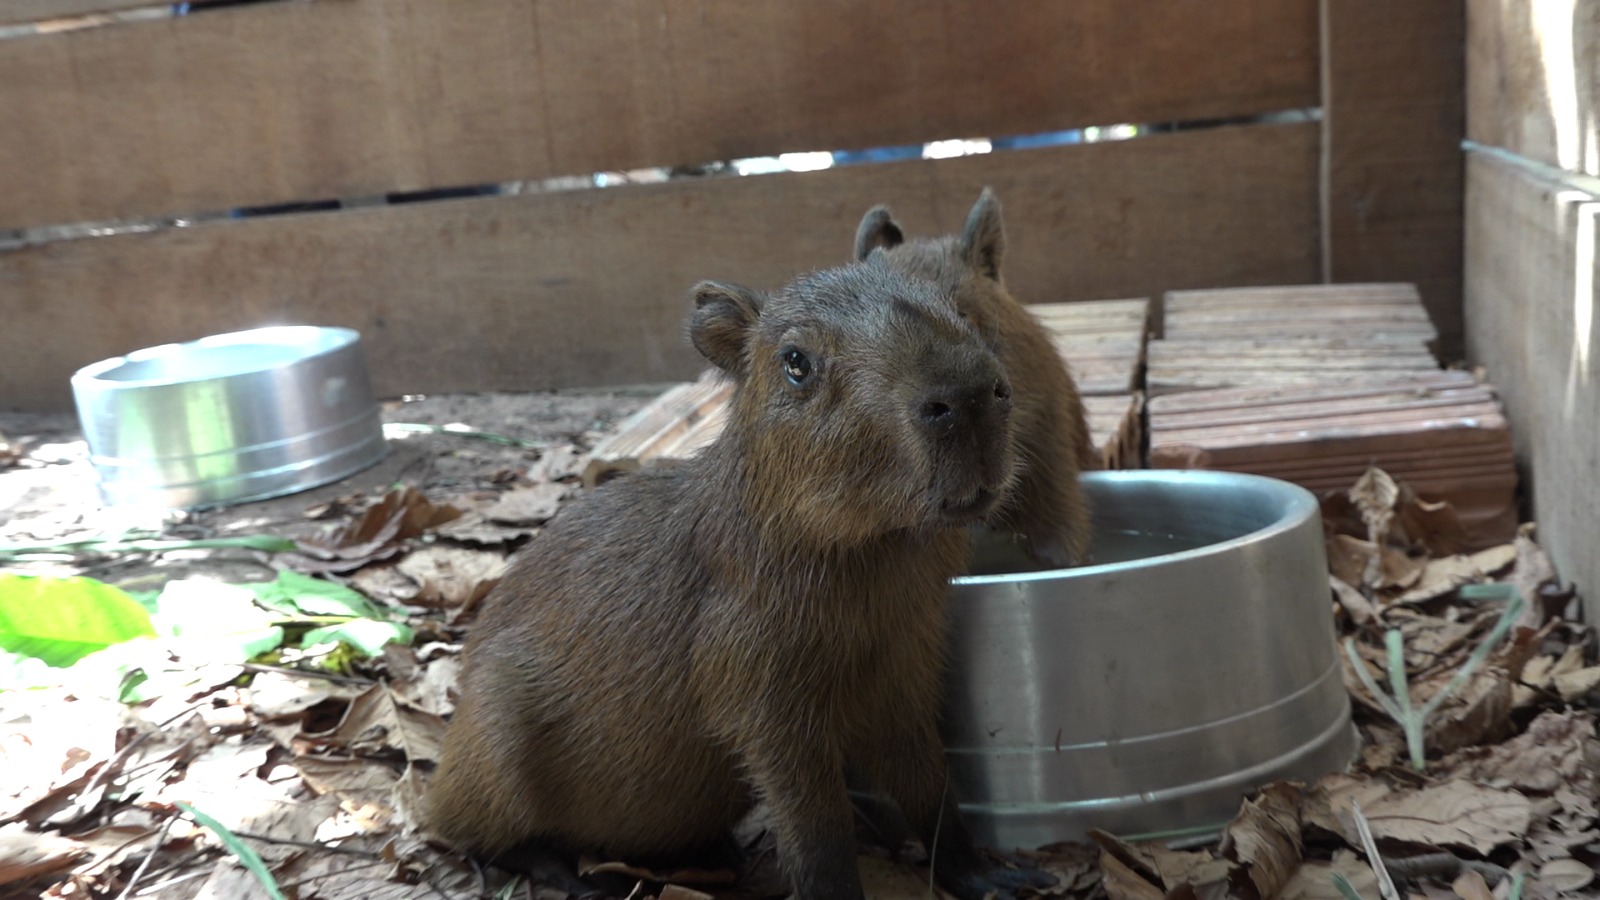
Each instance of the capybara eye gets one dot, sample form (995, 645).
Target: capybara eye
(796, 366)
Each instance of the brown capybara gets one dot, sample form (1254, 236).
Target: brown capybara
(746, 624)
(1047, 507)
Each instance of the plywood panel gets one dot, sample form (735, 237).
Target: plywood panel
(14, 12)
(1533, 246)
(588, 287)
(1533, 80)
(276, 102)
(1393, 117)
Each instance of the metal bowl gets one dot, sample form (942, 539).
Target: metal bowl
(233, 417)
(1148, 693)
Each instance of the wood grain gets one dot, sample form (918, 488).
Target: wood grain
(1533, 80)
(1392, 112)
(1533, 247)
(16, 12)
(277, 102)
(589, 287)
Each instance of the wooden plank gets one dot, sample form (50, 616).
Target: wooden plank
(277, 102)
(1393, 117)
(1251, 397)
(588, 287)
(17, 12)
(1533, 245)
(1533, 80)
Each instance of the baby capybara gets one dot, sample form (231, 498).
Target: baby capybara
(1046, 507)
(749, 623)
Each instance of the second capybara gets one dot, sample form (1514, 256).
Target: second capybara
(746, 625)
(1047, 506)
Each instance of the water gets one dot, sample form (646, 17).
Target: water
(998, 553)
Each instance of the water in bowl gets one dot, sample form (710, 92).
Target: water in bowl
(1001, 553)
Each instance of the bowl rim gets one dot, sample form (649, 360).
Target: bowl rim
(316, 341)
(1299, 504)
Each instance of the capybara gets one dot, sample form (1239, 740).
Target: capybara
(747, 624)
(1046, 507)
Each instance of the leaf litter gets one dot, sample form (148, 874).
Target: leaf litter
(322, 770)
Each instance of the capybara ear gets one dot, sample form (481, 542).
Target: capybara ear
(983, 238)
(877, 229)
(723, 316)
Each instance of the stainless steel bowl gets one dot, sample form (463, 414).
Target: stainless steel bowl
(229, 418)
(1149, 692)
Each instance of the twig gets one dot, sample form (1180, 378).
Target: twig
(302, 673)
(262, 542)
(1386, 888)
(308, 845)
(1443, 865)
(144, 864)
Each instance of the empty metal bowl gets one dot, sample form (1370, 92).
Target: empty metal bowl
(1149, 692)
(229, 418)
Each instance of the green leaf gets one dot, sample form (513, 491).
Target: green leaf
(366, 635)
(297, 594)
(246, 854)
(62, 620)
(215, 622)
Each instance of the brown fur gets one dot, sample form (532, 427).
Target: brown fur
(1047, 506)
(743, 626)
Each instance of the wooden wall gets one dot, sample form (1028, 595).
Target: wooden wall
(295, 101)
(1533, 248)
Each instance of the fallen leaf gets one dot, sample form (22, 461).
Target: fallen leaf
(1533, 571)
(1121, 882)
(474, 528)
(1557, 749)
(1353, 602)
(278, 695)
(562, 463)
(1478, 711)
(1455, 813)
(452, 577)
(1432, 526)
(378, 721)
(379, 533)
(26, 854)
(528, 506)
(1441, 576)
(1469, 885)
(1375, 495)
(1573, 685)
(1566, 874)
(1313, 879)
(365, 793)
(1265, 837)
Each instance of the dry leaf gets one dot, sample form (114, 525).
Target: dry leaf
(365, 793)
(1375, 495)
(26, 854)
(1121, 882)
(379, 533)
(1441, 576)
(1573, 685)
(1534, 570)
(587, 866)
(1469, 885)
(452, 577)
(1265, 837)
(528, 506)
(1455, 813)
(1566, 874)
(1477, 712)
(1558, 749)
(1432, 526)
(378, 721)
(1352, 601)
(1313, 880)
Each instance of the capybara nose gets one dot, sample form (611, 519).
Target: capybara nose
(974, 404)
